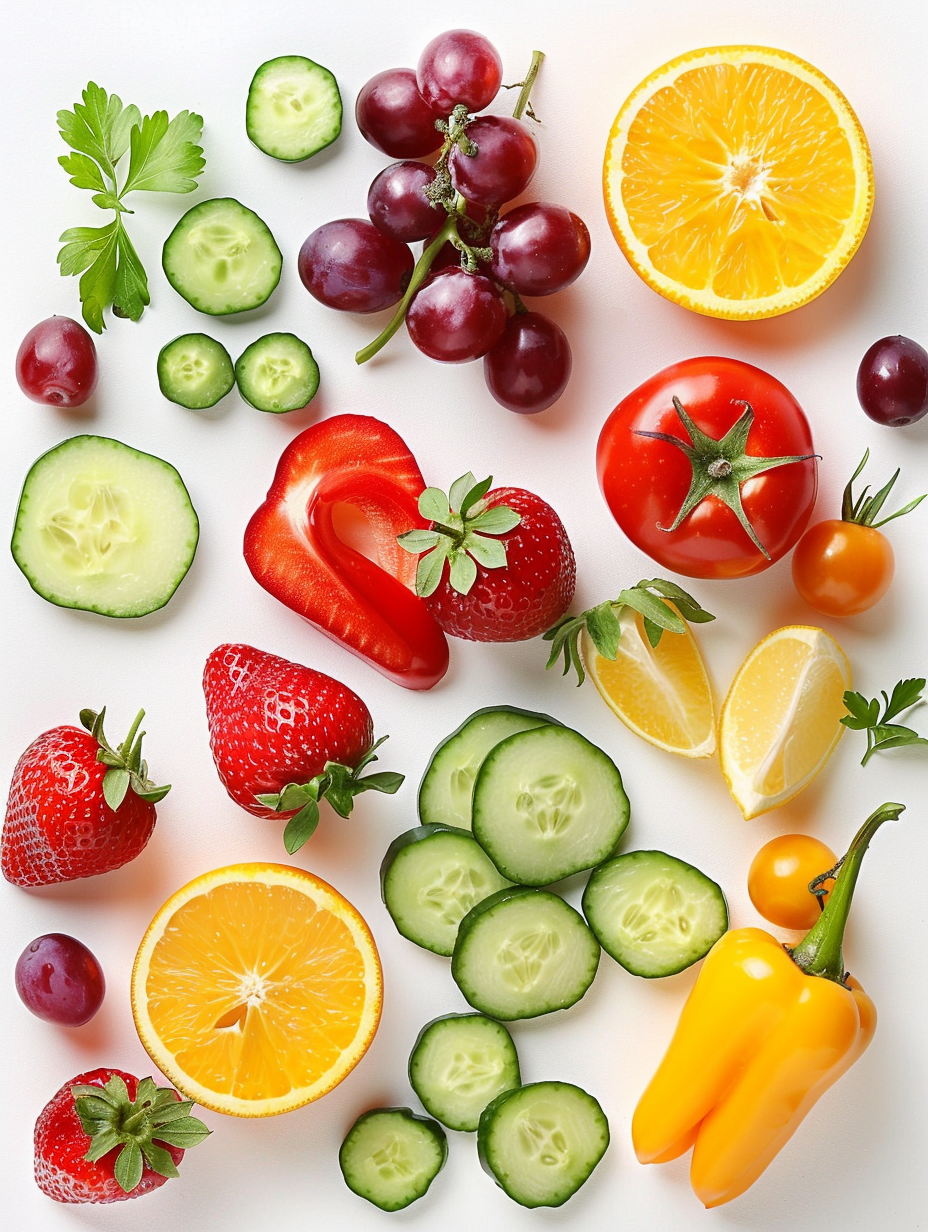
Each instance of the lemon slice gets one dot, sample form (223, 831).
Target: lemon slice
(781, 718)
(661, 693)
(738, 181)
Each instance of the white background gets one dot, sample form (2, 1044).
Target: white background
(858, 1161)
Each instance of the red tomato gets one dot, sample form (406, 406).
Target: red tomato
(841, 568)
(646, 481)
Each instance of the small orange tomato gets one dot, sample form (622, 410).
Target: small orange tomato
(841, 568)
(779, 876)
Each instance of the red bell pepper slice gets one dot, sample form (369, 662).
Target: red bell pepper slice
(294, 551)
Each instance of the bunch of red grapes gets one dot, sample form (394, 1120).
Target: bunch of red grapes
(462, 299)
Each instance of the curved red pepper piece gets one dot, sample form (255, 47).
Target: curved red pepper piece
(293, 549)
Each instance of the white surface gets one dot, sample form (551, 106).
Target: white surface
(858, 1161)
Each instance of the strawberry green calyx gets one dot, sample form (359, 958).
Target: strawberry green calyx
(865, 509)
(605, 630)
(111, 1119)
(462, 523)
(338, 784)
(126, 767)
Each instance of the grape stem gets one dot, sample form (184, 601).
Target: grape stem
(522, 102)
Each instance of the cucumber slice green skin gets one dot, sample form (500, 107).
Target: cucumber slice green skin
(430, 878)
(654, 914)
(104, 528)
(459, 1063)
(541, 1142)
(548, 803)
(390, 1156)
(222, 258)
(447, 786)
(521, 953)
(277, 373)
(195, 371)
(294, 108)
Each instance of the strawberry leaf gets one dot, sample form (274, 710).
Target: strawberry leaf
(301, 826)
(476, 493)
(490, 553)
(496, 520)
(128, 1167)
(463, 572)
(115, 787)
(433, 505)
(460, 489)
(604, 629)
(185, 1133)
(429, 571)
(158, 1159)
(417, 541)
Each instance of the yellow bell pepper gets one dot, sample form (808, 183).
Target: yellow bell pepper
(765, 1032)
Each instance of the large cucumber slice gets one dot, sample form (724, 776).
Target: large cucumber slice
(222, 258)
(541, 1142)
(459, 1063)
(521, 953)
(390, 1156)
(548, 803)
(277, 373)
(448, 783)
(430, 878)
(653, 913)
(294, 109)
(104, 527)
(195, 371)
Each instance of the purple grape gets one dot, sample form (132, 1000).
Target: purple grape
(350, 265)
(394, 117)
(539, 248)
(503, 165)
(459, 66)
(456, 317)
(892, 381)
(58, 979)
(397, 203)
(529, 367)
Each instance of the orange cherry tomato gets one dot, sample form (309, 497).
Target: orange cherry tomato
(779, 876)
(842, 568)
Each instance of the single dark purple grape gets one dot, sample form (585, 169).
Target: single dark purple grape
(503, 165)
(539, 248)
(394, 117)
(456, 317)
(529, 367)
(397, 203)
(59, 979)
(350, 265)
(892, 381)
(459, 66)
(57, 363)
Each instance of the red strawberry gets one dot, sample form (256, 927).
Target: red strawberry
(97, 1139)
(285, 736)
(498, 566)
(77, 807)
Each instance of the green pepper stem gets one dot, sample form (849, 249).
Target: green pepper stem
(820, 951)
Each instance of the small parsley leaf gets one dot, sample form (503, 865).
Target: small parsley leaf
(865, 715)
(164, 156)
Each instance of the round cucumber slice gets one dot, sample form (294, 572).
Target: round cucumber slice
(294, 109)
(277, 373)
(390, 1156)
(104, 527)
(459, 1063)
(195, 371)
(222, 258)
(654, 914)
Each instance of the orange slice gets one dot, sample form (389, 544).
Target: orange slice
(782, 717)
(661, 693)
(738, 181)
(256, 989)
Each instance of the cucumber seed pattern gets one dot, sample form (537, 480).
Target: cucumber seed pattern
(550, 804)
(525, 957)
(93, 524)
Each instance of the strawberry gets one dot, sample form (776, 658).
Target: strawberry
(497, 565)
(285, 736)
(98, 1139)
(77, 807)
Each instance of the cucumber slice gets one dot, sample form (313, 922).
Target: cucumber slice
(430, 878)
(104, 527)
(653, 913)
(541, 1142)
(222, 258)
(448, 783)
(390, 1156)
(277, 373)
(294, 109)
(459, 1064)
(548, 803)
(195, 371)
(521, 953)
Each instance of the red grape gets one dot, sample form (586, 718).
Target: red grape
(57, 363)
(397, 203)
(539, 248)
(456, 317)
(529, 367)
(459, 66)
(350, 265)
(394, 117)
(503, 165)
(60, 980)
(892, 381)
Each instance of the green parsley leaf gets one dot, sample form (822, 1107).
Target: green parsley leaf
(99, 127)
(83, 171)
(164, 156)
(865, 715)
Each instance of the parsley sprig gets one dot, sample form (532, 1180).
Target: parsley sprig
(882, 733)
(164, 156)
